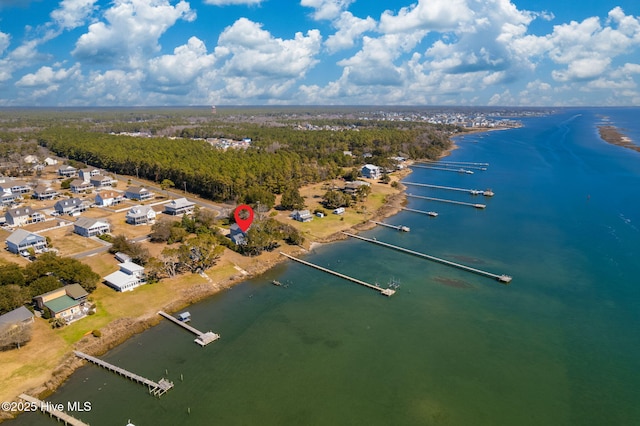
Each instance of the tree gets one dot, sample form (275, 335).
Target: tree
(291, 199)
(200, 252)
(362, 192)
(385, 178)
(14, 335)
(333, 199)
(352, 175)
(11, 273)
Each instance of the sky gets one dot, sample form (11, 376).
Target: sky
(319, 52)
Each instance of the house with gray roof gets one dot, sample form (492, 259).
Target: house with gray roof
(67, 171)
(88, 173)
(371, 171)
(128, 277)
(141, 215)
(179, 206)
(71, 205)
(138, 193)
(19, 315)
(237, 235)
(22, 216)
(44, 192)
(102, 181)
(20, 241)
(90, 227)
(79, 185)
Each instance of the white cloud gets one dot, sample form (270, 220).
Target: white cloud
(232, 2)
(441, 15)
(350, 28)
(327, 9)
(47, 76)
(4, 42)
(132, 31)
(73, 13)
(174, 73)
(252, 51)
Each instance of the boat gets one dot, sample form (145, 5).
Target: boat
(276, 282)
(488, 193)
(405, 228)
(432, 214)
(474, 192)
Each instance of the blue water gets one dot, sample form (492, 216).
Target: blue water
(558, 346)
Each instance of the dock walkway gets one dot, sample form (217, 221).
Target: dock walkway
(445, 169)
(386, 291)
(486, 193)
(442, 200)
(475, 166)
(505, 279)
(430, 213)
(203, 339)
(156, 388)
(396, 227)
(52, 410)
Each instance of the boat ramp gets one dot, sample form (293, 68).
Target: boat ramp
(53, 410)
(442, 200)
(155, 388)
(505, 279)
(203, 339)
(486, 193)
(396, 227)
(385, 291)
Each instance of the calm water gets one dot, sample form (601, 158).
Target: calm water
(559, 346)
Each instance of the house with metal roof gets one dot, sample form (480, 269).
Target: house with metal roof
(179, 206)
(128, 277)
(70, 205)
(79, 185)
(67, 302)
(90, 227)
(68, 171)
(141, 215)
(44, 192)
(371, 171)
(20, 241)
(22, 216)
(19, 315)
(102, 181)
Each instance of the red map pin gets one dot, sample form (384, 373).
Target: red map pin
(243, 219)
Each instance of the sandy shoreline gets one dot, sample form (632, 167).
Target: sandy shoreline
(120, 330)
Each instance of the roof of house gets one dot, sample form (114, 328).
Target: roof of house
(371, 167)
(109, 194)
(79, 182)
(69, 202)
(139, 211)
(130, 267)
(43, 188)
(61, 303)
(17, 315)
(180, 203)
(75, 291)
(118, 279)
(20, 235)
(136, 189)
(20, 211)
(89, 222)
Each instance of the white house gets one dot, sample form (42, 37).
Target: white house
(138, 193)
(140, 215)
(70, 205)
(127, 278)
(23, 216)
(88, 173)
(30, 159)
(371, 171)
(302, 215)
(109, 198)
(179, 206)
(44, 192)
(50, 161)
(237, 235)
(79, 185)
(89, 227)
(67, 171)
(20, 241)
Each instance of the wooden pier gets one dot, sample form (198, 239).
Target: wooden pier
(155, 388)
(445, 169)
(429, 213)
(486, 193)
(53, 410)
(505, 279)
(385, 291)
(203, 339)
(462, 203)
(396, 227)
(474, 166)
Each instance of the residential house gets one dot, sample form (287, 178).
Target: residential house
(18, 316)
(50, 161)
(127, 278)
(23, 216)
(20, 241)
(138, 193)
(88, 173)
(79, 185)
(18, 187)
(67, 302)
(44, 192)
(179, 206)
(8, 199)
(371, 171)
(352, 187)
(89, 227)
(30, 159)
(68, 171)
(140, 215)
(109, 198)
(102, 181)
(237, 235)
(302, 215)
(71, 205)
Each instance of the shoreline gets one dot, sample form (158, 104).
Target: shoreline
(612, 135)
(122, 329)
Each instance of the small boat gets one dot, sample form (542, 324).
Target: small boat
(276, 282)
(488, 193)
(432, 214)
(405, 228)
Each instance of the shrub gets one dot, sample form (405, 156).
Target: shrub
(96, 333)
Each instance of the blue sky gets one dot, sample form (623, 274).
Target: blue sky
(321, 52)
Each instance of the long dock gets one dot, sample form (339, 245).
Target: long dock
(53, 410)
(463, 163)
(446, 169)
(486, 193)
(386, 291)
(430, 213)
(203, 339)
(473, 166)
(396, 227)
(442, 200)
(156, 388)
(502, 278)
